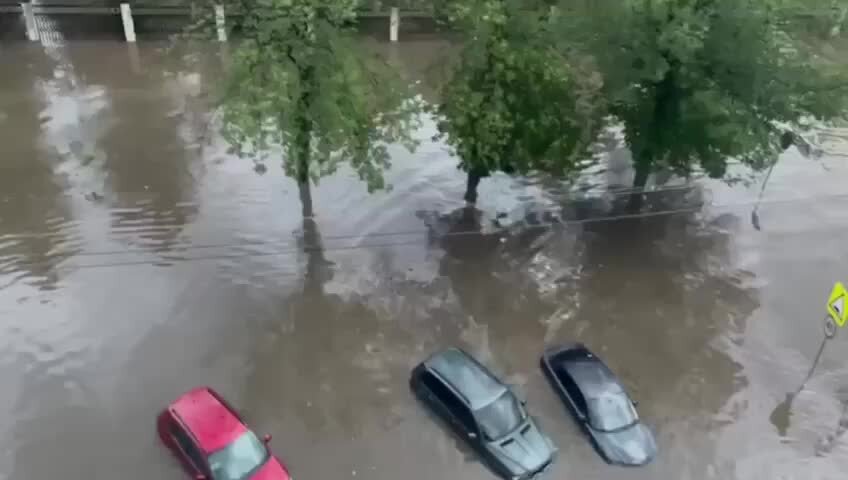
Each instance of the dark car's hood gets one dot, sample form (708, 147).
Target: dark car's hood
(632, 446)
(524, 450)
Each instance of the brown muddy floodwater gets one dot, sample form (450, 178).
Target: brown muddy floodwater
(138, 259)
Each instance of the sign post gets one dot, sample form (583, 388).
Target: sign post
(837, 317)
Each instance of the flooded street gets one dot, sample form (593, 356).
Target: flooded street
(139, 257)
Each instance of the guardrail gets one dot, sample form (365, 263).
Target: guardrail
(127, 12)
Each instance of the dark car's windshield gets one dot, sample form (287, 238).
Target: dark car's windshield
(500, 417)
(239, 459)
(611, 411)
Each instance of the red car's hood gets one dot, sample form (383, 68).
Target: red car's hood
(272, 470)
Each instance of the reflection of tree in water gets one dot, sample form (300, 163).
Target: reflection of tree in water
(33, 212)
(651, 295)
(311, 366)
(147, 162)
(655, 294)
(487, 269)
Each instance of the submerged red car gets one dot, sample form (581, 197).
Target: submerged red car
(212, 441)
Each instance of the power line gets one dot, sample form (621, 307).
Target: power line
(318, 248)
(247, 243)
(308, 249)
(561, 199)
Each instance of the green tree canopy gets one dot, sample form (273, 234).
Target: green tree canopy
(699, 82)
(299, 80)
(515, 103)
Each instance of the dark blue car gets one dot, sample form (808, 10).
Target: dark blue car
(599, 403)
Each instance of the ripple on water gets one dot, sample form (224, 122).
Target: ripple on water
(651, 295)
(834, 141)
(152, 225)
(49, 342)
(36, 256)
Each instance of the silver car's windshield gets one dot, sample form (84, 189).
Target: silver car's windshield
(239, 459)
(500, 417)
(611, 411)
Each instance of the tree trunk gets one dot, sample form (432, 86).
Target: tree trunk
(303, 142)
(305, 199)
(474, 178)
(317, 266)
(476, 170)
(643, 171)
(302, 177)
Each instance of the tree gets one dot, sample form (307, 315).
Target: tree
(514, 103)
(698, 82)
(298, 81)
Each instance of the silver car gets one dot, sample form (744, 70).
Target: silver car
(484, 412)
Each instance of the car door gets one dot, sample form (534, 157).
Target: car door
(449, 406)
(437, 395)
(189, 453)
(463, 419)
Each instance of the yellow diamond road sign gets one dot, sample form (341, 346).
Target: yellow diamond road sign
(837, 304)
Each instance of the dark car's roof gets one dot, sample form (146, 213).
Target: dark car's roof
(591, 374)
(466, 376)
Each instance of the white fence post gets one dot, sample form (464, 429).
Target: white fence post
(129, 26)
(394, 24)
(29, 21)
(220, 22)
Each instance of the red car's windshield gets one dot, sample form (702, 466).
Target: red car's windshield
(239, 459)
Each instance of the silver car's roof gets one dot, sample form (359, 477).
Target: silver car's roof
(466, 376)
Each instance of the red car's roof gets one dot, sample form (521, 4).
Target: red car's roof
(212, 423)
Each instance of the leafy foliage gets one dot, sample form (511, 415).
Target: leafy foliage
(515, 103)
(698, 82)
(299, 81)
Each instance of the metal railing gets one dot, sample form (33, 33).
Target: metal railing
(148, 8)
(127, 10)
